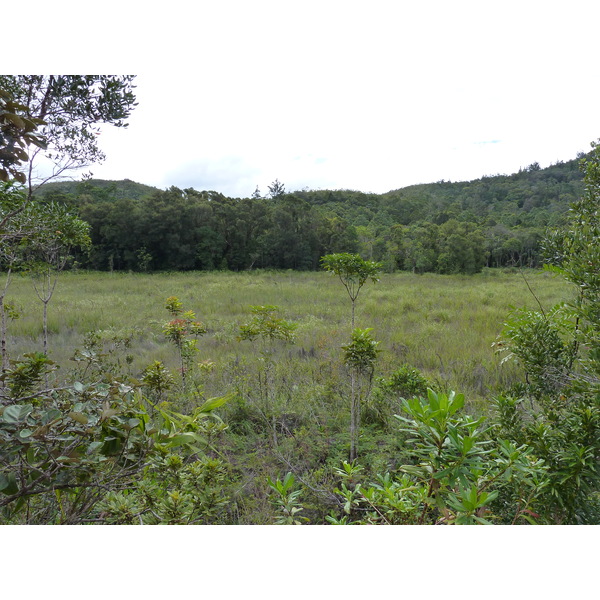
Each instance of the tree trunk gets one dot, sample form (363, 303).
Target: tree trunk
(353, 419)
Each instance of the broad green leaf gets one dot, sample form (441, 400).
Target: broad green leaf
(180, 440)
(8, 484)
(107, 413)
(213, 403)
(16, 413)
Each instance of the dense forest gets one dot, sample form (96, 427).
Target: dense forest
(441, 227)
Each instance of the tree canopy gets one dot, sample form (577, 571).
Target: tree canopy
(67, 110)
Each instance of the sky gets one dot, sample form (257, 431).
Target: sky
(370, 96)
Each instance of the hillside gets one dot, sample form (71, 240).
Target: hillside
(124, 188)
(443, 227)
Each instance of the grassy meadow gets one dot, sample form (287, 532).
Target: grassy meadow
(442, 325)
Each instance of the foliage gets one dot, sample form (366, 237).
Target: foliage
(276, 189)
(406, 382)
(457, 474)
(172, 492)
(443, 227)
(183, 332)
(352, 270)
(287, 501)
(559, 351)
(158, 379)
(25, 373)
(266, 324)
(65, 448)
(268, 327)
(534, 339)
(17, 132)
(360, 354)
(67, 110)
(564, 433)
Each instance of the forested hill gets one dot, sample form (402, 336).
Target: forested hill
(124, 188)
(444, 227)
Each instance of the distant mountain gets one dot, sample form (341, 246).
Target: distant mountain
(532, 197)
(444, 227)
(114, 189)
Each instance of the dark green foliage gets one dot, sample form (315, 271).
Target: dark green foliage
(534, 339)
(443, 227)
(25, 373)
(67, 110)
(361, 353)
(64, 449)
(559, 350)
(17, 132)
(456, 474)
(405, 382)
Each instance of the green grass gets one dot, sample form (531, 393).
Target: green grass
(442, 325)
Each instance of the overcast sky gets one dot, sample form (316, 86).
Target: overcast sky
(371, 96)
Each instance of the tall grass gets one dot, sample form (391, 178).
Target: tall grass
(442, 325)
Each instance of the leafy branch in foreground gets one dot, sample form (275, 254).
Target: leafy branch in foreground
(458, 473)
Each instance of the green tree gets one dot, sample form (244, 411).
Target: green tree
(68, 110)
(353, 271)
(559, 350)
(359, 356)
(268, 327)
(276, 189)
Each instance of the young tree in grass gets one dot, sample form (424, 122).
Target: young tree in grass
(183, 330)
(353, 272)
(359, 356)
(37, 238)
(49, 249)
(267, 326)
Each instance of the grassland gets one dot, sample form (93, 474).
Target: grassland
(444, 326)
(441, 325)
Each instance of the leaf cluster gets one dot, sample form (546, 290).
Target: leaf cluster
(268, 325)
(352, 270)
(18, 130)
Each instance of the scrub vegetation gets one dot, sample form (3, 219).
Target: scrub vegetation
(315, 368)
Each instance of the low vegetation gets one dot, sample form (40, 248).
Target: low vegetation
(264, 396)
(286, 402)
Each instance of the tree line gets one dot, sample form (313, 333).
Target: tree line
(444, 227)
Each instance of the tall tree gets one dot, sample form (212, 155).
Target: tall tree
(68, 110)
(276, 189)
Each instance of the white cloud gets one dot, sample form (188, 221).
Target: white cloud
(371, 96)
